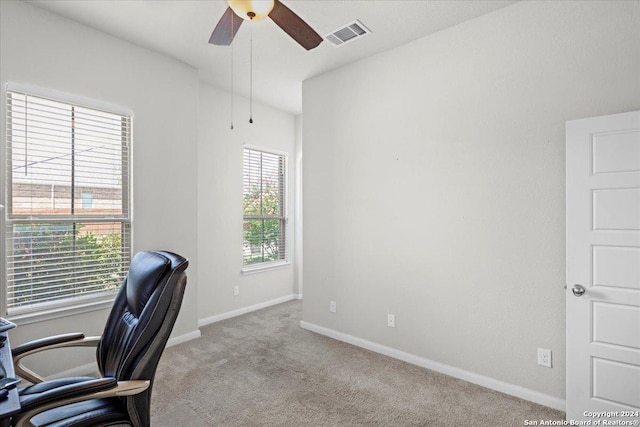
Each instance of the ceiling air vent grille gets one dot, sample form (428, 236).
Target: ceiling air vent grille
(347, 33)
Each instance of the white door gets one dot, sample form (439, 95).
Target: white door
(603, 268)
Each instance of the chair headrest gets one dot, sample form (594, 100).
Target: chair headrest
(145, 273)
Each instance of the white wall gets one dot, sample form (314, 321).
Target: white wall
(434, 184)
(42, 49)
(220, 202)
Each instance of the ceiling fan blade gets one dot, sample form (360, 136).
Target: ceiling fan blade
(293, 25)
(226, 29)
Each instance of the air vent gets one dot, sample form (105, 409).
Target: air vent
(347, 33)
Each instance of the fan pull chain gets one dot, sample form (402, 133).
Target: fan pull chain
(232, 85)
(251, 76)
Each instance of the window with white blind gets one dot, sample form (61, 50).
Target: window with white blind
(68, 222)
(264, 208)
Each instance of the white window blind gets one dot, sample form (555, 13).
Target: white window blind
(265, 221)
(68, 223)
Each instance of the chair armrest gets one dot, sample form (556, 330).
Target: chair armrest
(67, 391)
(123, 388)
(45, 342)
(57, 341)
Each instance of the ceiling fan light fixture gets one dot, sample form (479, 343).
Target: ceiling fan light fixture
(251, 10)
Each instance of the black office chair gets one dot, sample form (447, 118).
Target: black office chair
(142, 317)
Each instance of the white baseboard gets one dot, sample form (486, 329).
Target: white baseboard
(484, 381)
(183, 338)
(244, 310)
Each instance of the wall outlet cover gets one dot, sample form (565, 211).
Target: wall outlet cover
(391, 320)
(332, 306)
(544, 357)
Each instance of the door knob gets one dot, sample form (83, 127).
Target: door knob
(578, 290)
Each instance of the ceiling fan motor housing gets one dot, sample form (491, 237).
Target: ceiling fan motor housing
(251, 9)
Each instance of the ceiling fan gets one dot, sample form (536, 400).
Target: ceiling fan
(252, 10)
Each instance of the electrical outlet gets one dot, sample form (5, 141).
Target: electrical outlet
(236, 291)
(391, 320)
(332, 306)
(544, 357)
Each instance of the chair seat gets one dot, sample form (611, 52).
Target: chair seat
(90, 413)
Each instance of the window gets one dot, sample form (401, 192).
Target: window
(87, 199)
(68, 222)
(265, 221)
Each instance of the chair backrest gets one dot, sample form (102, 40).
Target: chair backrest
(141, 319)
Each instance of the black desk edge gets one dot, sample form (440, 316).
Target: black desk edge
(11, 405)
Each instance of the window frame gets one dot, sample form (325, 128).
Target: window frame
(42, 311)
(285, 261)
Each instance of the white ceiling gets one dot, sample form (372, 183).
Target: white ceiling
(181, 29)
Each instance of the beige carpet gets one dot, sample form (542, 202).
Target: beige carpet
(262, 369)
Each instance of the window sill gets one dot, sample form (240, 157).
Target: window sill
(26, 317)
(259, 268)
